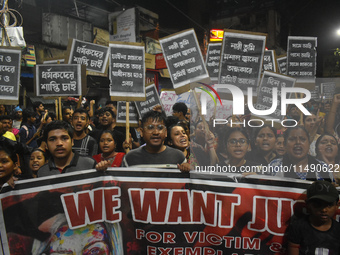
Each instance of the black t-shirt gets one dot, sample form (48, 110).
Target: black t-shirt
(313, 241)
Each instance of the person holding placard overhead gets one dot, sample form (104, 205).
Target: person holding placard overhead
(154, 153)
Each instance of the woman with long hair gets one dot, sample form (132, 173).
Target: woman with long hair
(297, 163)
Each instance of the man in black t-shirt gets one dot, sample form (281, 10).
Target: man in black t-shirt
(318, 233)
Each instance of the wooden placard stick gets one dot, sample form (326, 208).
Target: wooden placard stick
(206, 126)
(127, 136)
(60, 109)
(56, 108)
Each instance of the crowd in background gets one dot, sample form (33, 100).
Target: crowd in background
(309, 149)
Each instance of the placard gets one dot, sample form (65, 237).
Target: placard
(241, 59)
(121, 114)
(301, 58)
(184, 59)
(59, 80)
(152, 99)
(282, 64)
(10, 61)
(265, 93)
(127, 71)
(327, 90)
(315, 93)
(212, 60)
(169, 98)
(93, 56)
(269, 61)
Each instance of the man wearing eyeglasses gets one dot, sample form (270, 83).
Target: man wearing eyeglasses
(154, 153)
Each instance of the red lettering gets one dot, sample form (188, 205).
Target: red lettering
(238, 242)
(77, 214)
(145, 209)
(251, 244)
(208, 251)
(283, 208)
(180, 207)
(111, 204)
(228, 240)
(214, 239)
(226, 211)
(140, 233)
(151, 250)
(201, 237)
(206, 207)
(190, 251)
(178, 251)
(168, 237)
(153, 237)
(164, 251)
(259, 214)
(190, 238)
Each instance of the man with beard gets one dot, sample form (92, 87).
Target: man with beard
(154, 153)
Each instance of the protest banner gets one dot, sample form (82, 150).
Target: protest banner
(184, 59)
(269, 61)
(212, 60)
(282, 64)
(265, 94)
(127, 71)
(169, 98)
(122, 116)
(93, 56)
(60, 80)
(301, 58)
(152, 99)
(10, 62)
(130, 211)
(241, 59)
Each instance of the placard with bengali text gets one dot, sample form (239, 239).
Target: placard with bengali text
(152, 99)
(59, 80)
(241, 59)
(301, 58)
(93, 56)
(184, 59)
(212, 60)
(127, 71)
(10, 62)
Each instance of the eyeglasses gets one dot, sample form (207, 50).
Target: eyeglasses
(151, 128)
(241, 141)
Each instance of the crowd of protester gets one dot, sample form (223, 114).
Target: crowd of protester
(309, 148)
(33, 144)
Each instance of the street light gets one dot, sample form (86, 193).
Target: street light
(338, 32)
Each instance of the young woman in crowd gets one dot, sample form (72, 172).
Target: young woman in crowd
(297, 163)
(203, 147)
(178, 138)
(37, 160)
(107, 144)
(327, 150)
(237, 144)
(263, 147)
(8, 165)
